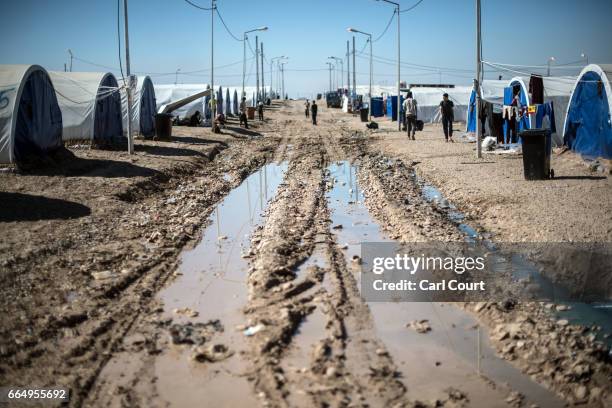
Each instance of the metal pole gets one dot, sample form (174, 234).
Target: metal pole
(371, 74)
(271, 82)
(348, 69)
(354, 75)
(129, 87)
(212, 61)
(263, 87)
(244, 40)
(283, 75)
(477, 82)
(257, 69)
(399, 103)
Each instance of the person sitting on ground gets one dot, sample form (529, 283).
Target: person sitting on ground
(313, 111)
(410, 110)
(243, 115)
(220, 119)
(446, 111)
(195, 119)
(260, 110)
(307, 106)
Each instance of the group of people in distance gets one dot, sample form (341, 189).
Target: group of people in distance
(243, 112)
(409, 108)
(446, 112)
(312, 110)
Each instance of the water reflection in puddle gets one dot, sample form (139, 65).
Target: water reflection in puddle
(444, 357)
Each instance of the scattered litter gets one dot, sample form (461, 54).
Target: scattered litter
(186, 312)
(102, 275)
(337, 226)
(253, 330)
(356, 259)
(563, 308)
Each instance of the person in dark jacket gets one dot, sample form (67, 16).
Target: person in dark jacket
(313, 112)
(448, 116)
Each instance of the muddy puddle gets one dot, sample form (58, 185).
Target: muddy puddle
(448, 354)
(203, 306)
(589, 315)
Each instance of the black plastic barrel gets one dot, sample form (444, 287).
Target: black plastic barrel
(537, 149)
(163, 125)
(364, 114)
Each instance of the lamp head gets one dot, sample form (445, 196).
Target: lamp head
(351, 30)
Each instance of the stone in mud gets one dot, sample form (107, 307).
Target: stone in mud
(185, 311)
(212, 353)
(563, 308)
(102, 275)
(337, 226)
(420, 326)
(562, 322)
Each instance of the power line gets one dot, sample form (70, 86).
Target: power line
(226, 28)
(386, 28)
(411, 7)
(197, 6)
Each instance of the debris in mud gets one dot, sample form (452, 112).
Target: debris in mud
(185, 311)
(420, 326)
(212, 353)
(194, 333)
(102, 275)
(356, 259)
(253, 330)
(337, 226)
(515, 399)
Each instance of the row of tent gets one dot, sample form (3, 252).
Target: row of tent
(40, 110)
(578, 108)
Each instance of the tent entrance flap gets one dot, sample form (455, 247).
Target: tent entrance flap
(38, 127)
(147, 109)
(108, 116)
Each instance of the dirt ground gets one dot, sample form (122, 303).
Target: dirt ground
(222, 270)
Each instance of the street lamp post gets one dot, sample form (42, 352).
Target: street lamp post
(341, 61)
(586, 57)
(176, 76)
(399, 104)
(551, 59)
(244, 41)
(282, 69)
(331, 66)
(272, 69)
(353, 30)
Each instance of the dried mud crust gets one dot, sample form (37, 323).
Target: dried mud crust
(567, 359)
(70, 299)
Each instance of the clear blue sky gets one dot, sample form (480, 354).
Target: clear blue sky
(168, 34)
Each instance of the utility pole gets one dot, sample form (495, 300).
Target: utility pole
(354, 75)
(348, 69)
(129, 83)
(256, 69)
(283, 78)
(330, 65)
(477, 82)
(399, 102)
(213, 103)
(263, 87)
(71, 57)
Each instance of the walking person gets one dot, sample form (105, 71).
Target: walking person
(448, 115)
(260, 110)
(307, 106)
(410, 110)
(313, 111)
(243, 113)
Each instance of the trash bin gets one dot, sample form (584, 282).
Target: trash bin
(163, 125)
(537, 149)
(363, 113)
(250, 112)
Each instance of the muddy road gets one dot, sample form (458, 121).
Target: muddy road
(236, 283)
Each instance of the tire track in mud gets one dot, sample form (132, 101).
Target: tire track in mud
(103, 311)
(342, 360)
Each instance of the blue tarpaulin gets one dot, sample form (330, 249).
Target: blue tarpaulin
(588, 130)
(377, 107)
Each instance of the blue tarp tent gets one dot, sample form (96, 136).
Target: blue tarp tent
(492, 91)
(377, 107)
(30, 117)
(392, 106)
(228, 102)
(588, 130)
(220, 101)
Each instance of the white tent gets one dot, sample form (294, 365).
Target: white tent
(91, 106)
(143, 108)
(428, 99)
(168, 93)
(30, 118)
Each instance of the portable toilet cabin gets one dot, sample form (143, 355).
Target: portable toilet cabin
(91, 107)
(392, 106)
(587, 128)
(30, 117)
